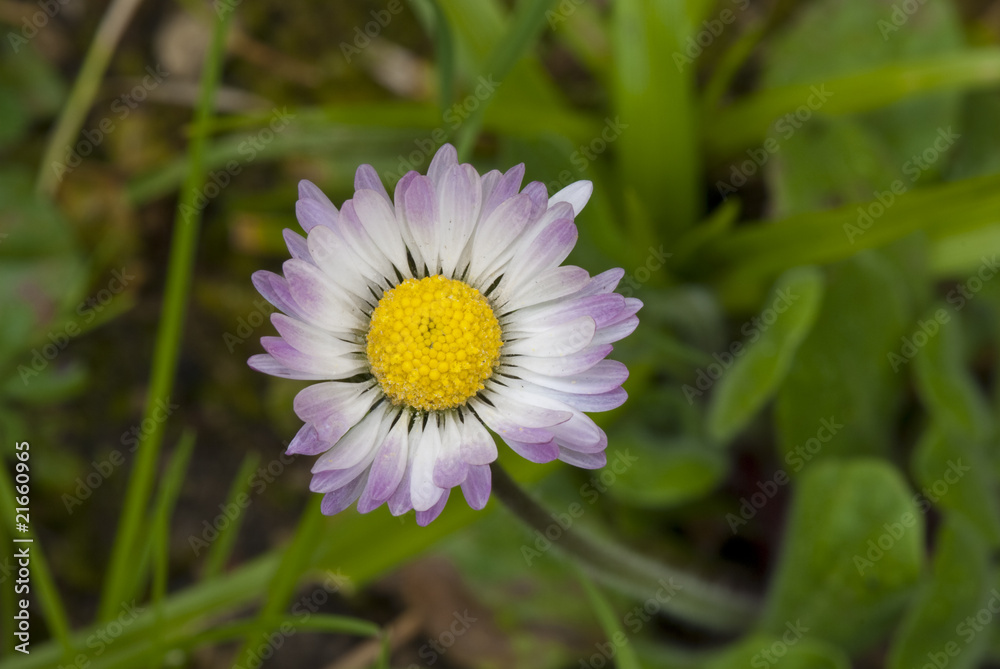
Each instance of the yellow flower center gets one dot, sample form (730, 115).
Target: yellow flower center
(433, 342)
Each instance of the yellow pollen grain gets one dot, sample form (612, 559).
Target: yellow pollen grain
(432, 343)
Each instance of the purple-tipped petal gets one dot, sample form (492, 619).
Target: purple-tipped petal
(338, 500)
(333, 407)
(367, 178)
(307, 442)
(583, 460)
(425, 518)
(477, 485)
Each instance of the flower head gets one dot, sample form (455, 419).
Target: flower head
(434, 315)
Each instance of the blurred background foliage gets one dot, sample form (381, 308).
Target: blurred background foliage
(805, 195)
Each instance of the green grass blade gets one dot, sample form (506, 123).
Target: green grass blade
(526, 26)
(170, 488)
(625, 657)
(444, 52)
(748, 121)
(168, 336)
(223, 545)
(113, 24)
(295, 561)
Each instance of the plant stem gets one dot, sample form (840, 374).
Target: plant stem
(687, 596)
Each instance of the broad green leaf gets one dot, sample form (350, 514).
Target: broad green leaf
(760, 365)
(936, 629)
(944, 384)
(853, 550)
(670, 473)
(841, 373)
(653, 93)
(955, 473)
(794, 648)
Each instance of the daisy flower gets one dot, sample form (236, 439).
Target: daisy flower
(431, 316)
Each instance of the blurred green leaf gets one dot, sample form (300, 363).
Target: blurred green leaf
(841, 372)
(853, 552)
(672, 472)
(944, 384)
(747, 122)
(658, 152)
(955, 473)
(757, 251)
(935, 627)
(792, 649)
(979, 151)
(624, 654)
(760, 365)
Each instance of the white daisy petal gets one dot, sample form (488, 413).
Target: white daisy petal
(379, 221)
(450, 468)
(562, 366)
(444, 159)
(583, 460)
(416, 208)
(557, 341)
(356, 446)
(478, 447)
(320, 300)
(343, 267)
(423, 493)
(329, 368)
(576, 194)
(268, 365)
(459, 200)
(334, 407)
(550, 285)
(388, 466)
